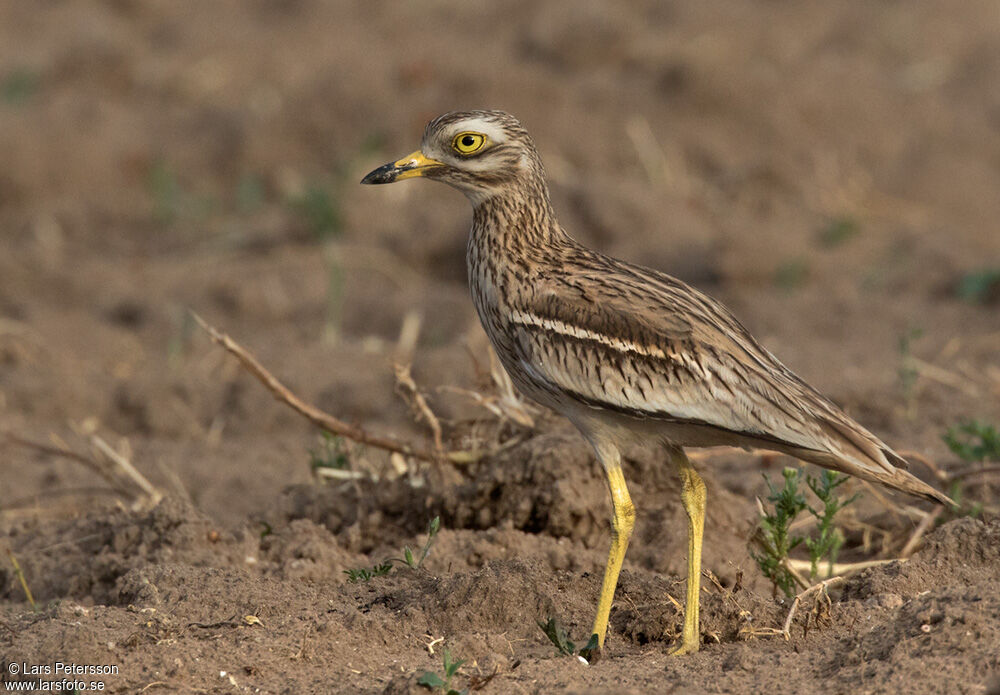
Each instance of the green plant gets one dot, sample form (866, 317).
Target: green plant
(554, 630)
(171, 201)
(320, 211)
(791, 275)
(333, 454)
(408, 559)
(775, 539)
(978, 287)
(250, 195)
(364, 574)
(838, 230)
(830, 539)
(907, 368)
(433, 681)
(17, 86)
(973, 441)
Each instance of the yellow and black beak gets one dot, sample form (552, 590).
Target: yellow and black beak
(409, 167)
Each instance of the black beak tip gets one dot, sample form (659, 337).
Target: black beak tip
(384, 174)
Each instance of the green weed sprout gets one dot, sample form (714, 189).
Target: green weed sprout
(554, 630)
(556, 633)
(434, 682)
(408, 558)
(333, 454)
(973, 442)
(980, 286)
(907, 371)
(775, 540)
(365, 574)
(830, 537)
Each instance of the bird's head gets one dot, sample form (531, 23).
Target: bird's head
(478, 152)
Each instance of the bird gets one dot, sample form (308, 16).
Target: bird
(628, 354)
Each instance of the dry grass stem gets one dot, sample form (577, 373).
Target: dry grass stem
(109, 465)
(973, 472)
(405, 381)
(821, 587)
(926, 462)
(130, 471)
(923, 527)
(844, 569)
(21, 579)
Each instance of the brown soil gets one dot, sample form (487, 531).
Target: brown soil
(829, 170)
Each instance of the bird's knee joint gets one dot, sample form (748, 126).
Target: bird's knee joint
(624, 519)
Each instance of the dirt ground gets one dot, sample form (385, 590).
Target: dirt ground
(829, 170)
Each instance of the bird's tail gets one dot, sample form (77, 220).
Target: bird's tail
(856, 451)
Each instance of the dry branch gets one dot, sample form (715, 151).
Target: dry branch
(405, 381)
(318, 417)
(106, 464)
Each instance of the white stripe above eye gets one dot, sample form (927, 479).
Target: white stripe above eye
(562, 328)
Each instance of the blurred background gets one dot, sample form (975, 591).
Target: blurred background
(829, 170)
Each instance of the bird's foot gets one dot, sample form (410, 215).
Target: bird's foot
(592, 651)
(685, 647)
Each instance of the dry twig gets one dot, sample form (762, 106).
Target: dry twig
(108, 462)
(821, 586)
(925, 524)
(405, 380)
(324, 420)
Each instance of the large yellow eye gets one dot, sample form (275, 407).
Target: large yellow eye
(468, 142)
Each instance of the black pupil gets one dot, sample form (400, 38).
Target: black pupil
(468, 141)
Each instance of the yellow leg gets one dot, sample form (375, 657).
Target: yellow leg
(693, 498)
(621, 530)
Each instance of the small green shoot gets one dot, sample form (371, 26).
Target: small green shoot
(838, 231)
(775, 540)
(980, 286)
(436, 683)
(554, 630)
(332, 455)
(907, 369)
(831, 538)
(319, 210)
(250, 194)
(791, 275)
(364, 574)
(973, 441)
(171, 201)
(17, 86)
(408, 559)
